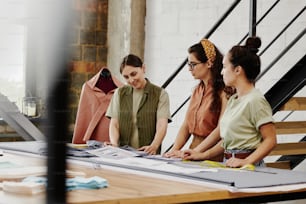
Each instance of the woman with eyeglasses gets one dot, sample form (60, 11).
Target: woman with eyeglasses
(139, 111)
(207, 101)
(247, 128)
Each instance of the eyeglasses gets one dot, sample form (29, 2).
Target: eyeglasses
(193, 64)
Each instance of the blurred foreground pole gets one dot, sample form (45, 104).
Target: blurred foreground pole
(57, 134)
(57, 97)
(43, 28)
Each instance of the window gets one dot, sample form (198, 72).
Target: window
(12, 50)
(12, 55)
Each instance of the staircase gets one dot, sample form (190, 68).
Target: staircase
(292, 153)
(283, 100)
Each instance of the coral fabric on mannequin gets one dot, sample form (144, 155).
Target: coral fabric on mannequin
(91, 122)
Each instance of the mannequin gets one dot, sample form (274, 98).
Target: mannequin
(91, 122)
(105, 81)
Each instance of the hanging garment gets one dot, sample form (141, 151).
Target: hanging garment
(91, 122)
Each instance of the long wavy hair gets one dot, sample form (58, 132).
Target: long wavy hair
(217, 79)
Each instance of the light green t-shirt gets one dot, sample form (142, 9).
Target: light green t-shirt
(239, 125)
(163, 110)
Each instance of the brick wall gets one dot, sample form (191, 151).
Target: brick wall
(88, 40)
(89, 46)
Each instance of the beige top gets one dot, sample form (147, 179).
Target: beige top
(242, 118)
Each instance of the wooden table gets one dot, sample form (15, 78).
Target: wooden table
(129, 187)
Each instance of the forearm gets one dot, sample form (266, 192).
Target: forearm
(161, 130)
(209, 141)
(181, 139)
(262, 151)
(191, 154)
(268, 133)
(214, 151)
(114, 132)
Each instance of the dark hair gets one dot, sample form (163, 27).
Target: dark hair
(218, 83)
(131, 60)
(246, 56)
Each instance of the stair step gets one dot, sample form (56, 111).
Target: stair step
(290, 127)
(289, 149)
(279, 164)
(295, 103)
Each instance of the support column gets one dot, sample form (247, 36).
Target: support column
(126, 24)
(252, 25)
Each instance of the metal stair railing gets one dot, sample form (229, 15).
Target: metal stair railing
(298, 37)
(263, 16)
(286, 87)
(283, 30)
(212, 30)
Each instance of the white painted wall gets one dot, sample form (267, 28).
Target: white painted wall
(174, 25)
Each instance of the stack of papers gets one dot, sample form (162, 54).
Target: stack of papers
(113, 152)
(29, 188)
(20, 172)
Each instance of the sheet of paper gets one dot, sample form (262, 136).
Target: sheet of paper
(281, 188)
(22, 172)
(177, 169)
(112, 152)
(159, 165)
(160, 157)
(8, 164)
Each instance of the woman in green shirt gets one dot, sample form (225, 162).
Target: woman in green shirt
(139, 111)
(247, 128)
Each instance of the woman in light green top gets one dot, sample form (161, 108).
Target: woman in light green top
(139, 111)
(246, 127)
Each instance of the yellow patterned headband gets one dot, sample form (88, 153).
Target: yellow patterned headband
(209, 49)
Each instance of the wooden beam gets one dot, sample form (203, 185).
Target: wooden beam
(19, 122)
(291, 127)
